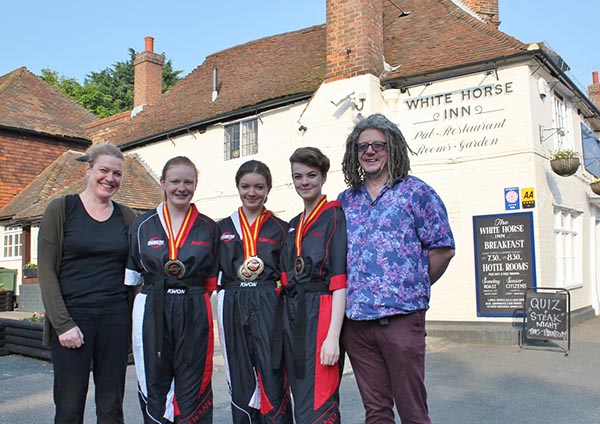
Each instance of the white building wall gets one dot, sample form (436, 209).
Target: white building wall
(475, 135)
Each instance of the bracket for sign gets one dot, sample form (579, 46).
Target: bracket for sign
(546, 320)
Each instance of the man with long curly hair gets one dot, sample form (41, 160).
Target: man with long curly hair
(399, 244)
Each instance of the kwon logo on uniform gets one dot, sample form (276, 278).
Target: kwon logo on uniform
(227, 237)
(155, 242)
(176, 291)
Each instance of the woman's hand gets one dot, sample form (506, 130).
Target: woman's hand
(330, 351)
(71, 339)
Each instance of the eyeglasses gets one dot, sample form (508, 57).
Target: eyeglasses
(377, 146)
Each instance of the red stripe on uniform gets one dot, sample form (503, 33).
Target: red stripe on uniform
(210, 284)
(327, 378)
(265, 404)
(337, 282)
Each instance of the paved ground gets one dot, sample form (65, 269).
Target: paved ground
(468, 384)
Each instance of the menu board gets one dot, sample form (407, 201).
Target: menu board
(547, 315)
(504, 261)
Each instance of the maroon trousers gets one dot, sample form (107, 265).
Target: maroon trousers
(388, 359)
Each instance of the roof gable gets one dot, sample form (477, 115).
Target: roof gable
(29, 103)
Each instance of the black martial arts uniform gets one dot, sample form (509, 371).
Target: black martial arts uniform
(173, 341)
(246, 311)
(306, 313)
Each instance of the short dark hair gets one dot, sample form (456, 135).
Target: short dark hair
(254, 167)
(398, 162)
(311, 156)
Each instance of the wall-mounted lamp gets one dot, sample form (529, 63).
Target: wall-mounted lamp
(543, 136)
(359, 98)
(353, 100)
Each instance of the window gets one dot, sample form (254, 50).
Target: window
(564, 137)
(241, 139)
(11, 246)
(567, 247)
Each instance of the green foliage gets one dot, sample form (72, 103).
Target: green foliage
(564, 153)
(109, 91)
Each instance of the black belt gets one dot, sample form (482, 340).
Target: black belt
(249, 284)
(294, 289)
(159, 284)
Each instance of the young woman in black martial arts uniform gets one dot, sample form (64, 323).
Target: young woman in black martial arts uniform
(173, 251)
(314, 294)
(251, 240)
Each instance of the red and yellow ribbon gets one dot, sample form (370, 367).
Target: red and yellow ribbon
(250, 233)
(304, 224)
(176, 242)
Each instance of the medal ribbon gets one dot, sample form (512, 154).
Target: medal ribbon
(175, 243)
(250, 233)
(304, 224)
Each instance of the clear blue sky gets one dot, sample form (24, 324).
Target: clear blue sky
(76, 37)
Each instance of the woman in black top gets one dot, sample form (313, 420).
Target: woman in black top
(82, 250)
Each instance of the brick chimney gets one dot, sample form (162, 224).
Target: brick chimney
(147, 65)
(485, 9)
(594, 90)
(354, 38)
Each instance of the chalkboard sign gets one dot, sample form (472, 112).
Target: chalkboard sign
(547, 314)
(504, 262)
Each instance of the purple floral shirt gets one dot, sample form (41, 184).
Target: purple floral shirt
(389, 240)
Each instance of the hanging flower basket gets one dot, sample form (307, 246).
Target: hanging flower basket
(564, 166)
(595, 186)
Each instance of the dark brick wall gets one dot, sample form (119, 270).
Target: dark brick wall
(24, 157)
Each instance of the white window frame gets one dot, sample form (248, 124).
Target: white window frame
(241, 139)
(567, 247)
(12, 242)
(562, 120)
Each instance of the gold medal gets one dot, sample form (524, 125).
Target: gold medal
(245, 274)
(175, 268)
(302, 227)
(299, 265)
(254, 264)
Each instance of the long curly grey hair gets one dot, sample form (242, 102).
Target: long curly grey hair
(398, 162)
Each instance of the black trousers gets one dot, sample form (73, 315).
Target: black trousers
(247, 317)
(175, 385)
(105, 349)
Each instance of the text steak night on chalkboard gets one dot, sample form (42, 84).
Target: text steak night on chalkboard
(547, 315)
(505, 262)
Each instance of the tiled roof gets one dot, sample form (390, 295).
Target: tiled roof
(139, 189)
(248, 74)
(437, 34)
(28, 103)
